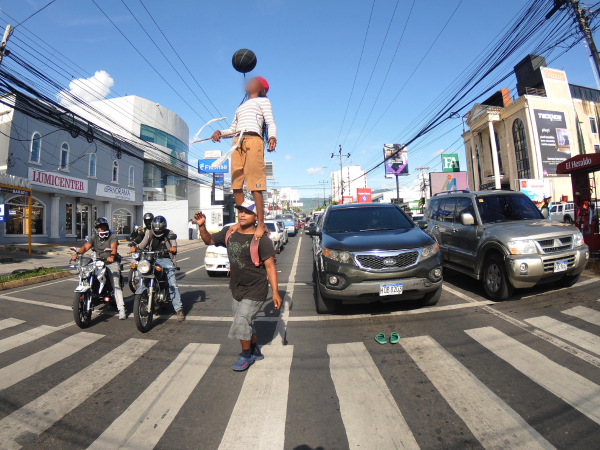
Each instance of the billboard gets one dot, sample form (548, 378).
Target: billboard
(395, 157)
(219, 179)
(450, 162)
(204, 166)
(536, 190)
(363, 195)
(555, 142)
(445, 181)
(347, 199)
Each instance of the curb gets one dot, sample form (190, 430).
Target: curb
(33, 280)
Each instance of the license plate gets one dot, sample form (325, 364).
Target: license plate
(560, 266)
(390, 289)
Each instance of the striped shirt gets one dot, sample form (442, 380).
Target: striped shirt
(251, 115)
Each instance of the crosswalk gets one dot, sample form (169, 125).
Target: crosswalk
(372, 415)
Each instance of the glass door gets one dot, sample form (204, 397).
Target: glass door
(83, 218)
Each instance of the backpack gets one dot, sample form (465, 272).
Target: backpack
(253, 249)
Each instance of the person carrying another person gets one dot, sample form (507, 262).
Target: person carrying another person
(100, 242)
(252, 263)
(159, 239)
(254, 117)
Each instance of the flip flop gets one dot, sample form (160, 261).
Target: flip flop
(380, 338)
(394, 338)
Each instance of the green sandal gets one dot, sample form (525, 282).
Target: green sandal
(381, 338)
(394, 338)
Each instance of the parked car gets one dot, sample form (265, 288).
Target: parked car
(284, 231)
(216, 259)
(290, 223)
(275, 234)
(563, 212)
(366, 252)
(502, 239)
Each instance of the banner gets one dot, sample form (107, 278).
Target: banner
(555, 143)
(363, 195)
(396, 165)
(204, 166)
(450, 162)
(445, 182)
(536, 190)
(106, 190)
(57, 181)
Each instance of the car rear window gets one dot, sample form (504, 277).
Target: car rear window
(506, 207)
(366, 219)
(270, 226)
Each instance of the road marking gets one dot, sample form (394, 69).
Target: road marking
(370, 414)
(34, 302)
(39, 285)
(491, 421)
(583, 313)
(181, 275)
(145, 421)
(25, 337)
(10, 322)
(530, 329)
(259, 416)
(184, 259)
(567, 332)
(37, 362)
(40, 414)
(581, 283)
(227, 285)
(571, 387)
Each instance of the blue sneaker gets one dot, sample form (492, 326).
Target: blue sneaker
(258, 356)
(243, 363)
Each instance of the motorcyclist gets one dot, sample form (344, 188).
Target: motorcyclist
(139, 232)
(158, 239)
(104, 239)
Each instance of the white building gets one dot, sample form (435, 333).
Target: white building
(353, 178)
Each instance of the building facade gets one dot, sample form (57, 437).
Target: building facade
(353, 178)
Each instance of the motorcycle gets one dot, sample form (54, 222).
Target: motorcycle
(94, 288)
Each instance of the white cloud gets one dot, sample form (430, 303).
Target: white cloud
(363, 152)
(88, 89)
(288, 157)
(438, 153)
(315, 170)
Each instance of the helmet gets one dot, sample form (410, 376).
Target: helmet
(159, 226)
(99, 222)
(148, 219)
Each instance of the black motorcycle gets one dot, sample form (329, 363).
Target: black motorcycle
(94, 289)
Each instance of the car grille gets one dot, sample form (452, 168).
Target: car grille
(556, 245)
(376, 262)
(549, 263)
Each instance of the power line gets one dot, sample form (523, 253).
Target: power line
(39, 10)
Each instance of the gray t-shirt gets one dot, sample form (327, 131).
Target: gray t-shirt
(99, 245)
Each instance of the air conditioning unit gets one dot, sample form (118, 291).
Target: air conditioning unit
(269, 170)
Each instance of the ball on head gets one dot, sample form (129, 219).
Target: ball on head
(244, 60)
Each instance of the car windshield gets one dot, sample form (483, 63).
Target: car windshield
(351, 220)
(506, 207)
(288, 217)
(270, 226)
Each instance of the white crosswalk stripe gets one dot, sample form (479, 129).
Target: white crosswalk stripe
(583, 313)
(582, 338)
(574, 389)
(370, 414)
(10, 322)
(40, 414)
(25, 337)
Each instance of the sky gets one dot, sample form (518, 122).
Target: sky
(308, 51)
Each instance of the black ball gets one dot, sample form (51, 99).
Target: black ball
(244, 60)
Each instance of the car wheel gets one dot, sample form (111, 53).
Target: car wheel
(567, 281)
(324, 305)
(431, 298)
(495, 280)
(568, 219)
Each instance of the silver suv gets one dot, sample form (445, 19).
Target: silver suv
(502, 239)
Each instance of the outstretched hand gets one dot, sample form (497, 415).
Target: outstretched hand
(200, 218)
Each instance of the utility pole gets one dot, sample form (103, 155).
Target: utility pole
(423, 183)
(7, 33)
(341, 174)
(323, 183)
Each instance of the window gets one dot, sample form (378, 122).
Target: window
(521, 152)
(593, 125)
(16, 223)
(115, 172)
(432, 209)
(36, 148)
(131, 179)
(159, 137)
(69, 220)
(464, 205)
(121, 222)
(498, 148)
(478, 163)
(596, 148)
(366, 219)
(554, 209)
(64, 156)
(92, 167)
(506, 207)
(447, 210)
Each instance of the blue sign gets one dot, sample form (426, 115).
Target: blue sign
(219, 179)
(204, 166)
(3, 210)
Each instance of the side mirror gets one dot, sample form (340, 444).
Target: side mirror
(467, 219)
(545, 212)
(312, 231)
(422, 224)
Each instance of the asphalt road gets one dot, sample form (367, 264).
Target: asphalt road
(467, 373)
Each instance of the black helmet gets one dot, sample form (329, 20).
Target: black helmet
(148, 217)
(99, 222)
(159, 226)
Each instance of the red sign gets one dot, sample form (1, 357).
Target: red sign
(580, 162)
(347, 199)
(57, 181)
(363, 195)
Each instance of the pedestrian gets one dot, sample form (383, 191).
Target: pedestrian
(254, 117)
(252, 263)
(191, 228)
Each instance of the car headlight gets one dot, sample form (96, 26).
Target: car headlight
(144, 266)
(343, 257)
(577, 240)
(522, 247)
(211, 255)
(430, 251)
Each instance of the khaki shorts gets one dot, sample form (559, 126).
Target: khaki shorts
(244, 313)
(248, 163)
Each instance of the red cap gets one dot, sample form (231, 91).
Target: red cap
(263, 83)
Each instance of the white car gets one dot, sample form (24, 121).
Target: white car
(283, 228)
(216, 259)
(563, 212)
(275, 234)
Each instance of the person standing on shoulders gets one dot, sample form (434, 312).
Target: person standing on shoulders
(252, 266)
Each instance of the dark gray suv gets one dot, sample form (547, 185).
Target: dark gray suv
(502, 239)
(373, 252)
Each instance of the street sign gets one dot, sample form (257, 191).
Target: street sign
(363, 195)
(450, 162)
(212, 154)
(204, 166)
(2, 212)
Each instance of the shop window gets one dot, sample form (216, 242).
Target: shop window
(498, 149)
(36, 148)
(521, 151)
(122, 221)
(16, 222)
(131, 178)
(115, 172)
(69, 219)
(593, 125)
(92, 167)
(64, 156)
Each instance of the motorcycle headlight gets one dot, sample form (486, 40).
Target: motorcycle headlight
(211, 255)
(522, 247)
(577, 240)
(343, 257)
(144, 266)
(135, 255)
(99, 264)
(430, 251)
(85, 273)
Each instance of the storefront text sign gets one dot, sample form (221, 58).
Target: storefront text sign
(106, 190)
(57, 181)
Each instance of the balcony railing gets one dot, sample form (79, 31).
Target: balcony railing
(534, 91)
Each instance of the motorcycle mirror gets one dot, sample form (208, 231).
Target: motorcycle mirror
(108, 249)
(73, 248)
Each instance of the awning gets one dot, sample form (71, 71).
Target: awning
(580, 163)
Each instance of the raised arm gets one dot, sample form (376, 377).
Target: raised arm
(204, 234)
